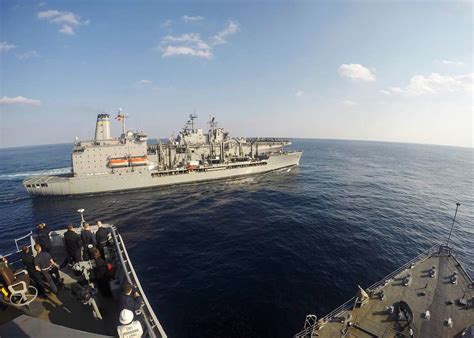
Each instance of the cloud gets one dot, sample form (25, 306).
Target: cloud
(68, 30)
(19, 100)
(143, 82)
(5, 46)
(28, 55)
(187, 18)
(194, 38)
(232, 28)
(299, 93)
(68, 20)
(356, 72)
(182, 50)
(185, 44)
(192, 44)
(450, 62)
(167, 24)
(349, 103)
(434, 84)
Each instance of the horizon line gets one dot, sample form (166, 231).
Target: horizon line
(291, 138)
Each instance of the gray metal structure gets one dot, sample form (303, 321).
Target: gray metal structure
(107, 164)
(441, 304)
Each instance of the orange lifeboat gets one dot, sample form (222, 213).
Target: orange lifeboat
(138, 160)
(192, 165)
(118, 162)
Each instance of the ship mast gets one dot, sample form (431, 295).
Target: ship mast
(192, 117)
(121, 118)
(211, 135)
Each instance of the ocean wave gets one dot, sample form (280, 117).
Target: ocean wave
(293, 240)
(21, 175)
(13, 199)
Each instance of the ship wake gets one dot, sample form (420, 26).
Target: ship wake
(22, 175)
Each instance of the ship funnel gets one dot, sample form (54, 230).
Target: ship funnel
(102, 127)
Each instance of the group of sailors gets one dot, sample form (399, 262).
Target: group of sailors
(44, 270)
(85, 247)
(42, 267)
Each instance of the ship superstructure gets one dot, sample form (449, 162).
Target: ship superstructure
(107, 155)
(128, 162)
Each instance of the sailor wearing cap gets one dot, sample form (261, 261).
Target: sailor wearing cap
(102, 237)
(130, 328)
(42, 237)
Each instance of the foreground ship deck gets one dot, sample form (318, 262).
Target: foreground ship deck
(424, 284)
(64, 315)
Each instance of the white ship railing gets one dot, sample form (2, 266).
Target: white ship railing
(18, 250)
(130, 275)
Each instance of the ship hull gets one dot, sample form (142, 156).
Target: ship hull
(94, 184)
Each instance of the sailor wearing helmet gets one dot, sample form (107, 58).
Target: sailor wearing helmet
(130, 328)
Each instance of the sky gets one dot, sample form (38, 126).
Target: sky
(366, 70)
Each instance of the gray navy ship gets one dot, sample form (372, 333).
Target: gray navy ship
(128, 162)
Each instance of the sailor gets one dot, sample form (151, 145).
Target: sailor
(73, 244)
(43, 237)
(45, 264)
(130, 299)
(102, 274)
(102, 237)
(130, 328)
(29, 262)
(88, 241)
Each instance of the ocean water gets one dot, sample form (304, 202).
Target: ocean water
(251, 257)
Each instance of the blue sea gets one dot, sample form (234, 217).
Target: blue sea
(251, 257)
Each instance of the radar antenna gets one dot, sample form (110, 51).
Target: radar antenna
(192, 117)
(212, 122)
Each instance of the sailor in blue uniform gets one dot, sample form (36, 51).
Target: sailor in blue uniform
(45, 264)
(88, 242)
(43, 237)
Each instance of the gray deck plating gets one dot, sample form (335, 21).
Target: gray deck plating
(438, 295)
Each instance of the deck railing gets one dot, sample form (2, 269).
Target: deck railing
(130, 275)
(405, 266)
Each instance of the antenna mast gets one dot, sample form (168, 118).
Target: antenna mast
(121, 118)
(212, 122)
(454, 220)
(192, 117)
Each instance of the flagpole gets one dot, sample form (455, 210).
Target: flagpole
(121, 118)
(123, 124)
